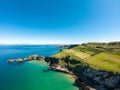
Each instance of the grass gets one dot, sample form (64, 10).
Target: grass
(103, 58)
(91, 50)
(74, 56)
(72, 53)
(105, 61)
(79, 54)
(62, 54)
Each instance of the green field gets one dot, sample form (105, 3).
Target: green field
(105, 61)
(106, 57)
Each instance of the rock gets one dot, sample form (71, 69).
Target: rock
(101, 80)
(20, 60)
(10, 61)
(112, 81)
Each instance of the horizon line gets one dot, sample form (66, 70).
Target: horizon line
(56, 43)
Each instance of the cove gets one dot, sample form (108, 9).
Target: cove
(30, 75)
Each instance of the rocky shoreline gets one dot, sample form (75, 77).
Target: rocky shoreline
(89, 78)
(85, 77)
(56, 68)
(78, 82)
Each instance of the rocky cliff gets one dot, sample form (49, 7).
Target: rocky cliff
(101, 80)
(98, 79)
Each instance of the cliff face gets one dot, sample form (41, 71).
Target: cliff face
(100, 80)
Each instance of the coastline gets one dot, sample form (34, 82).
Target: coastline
(86, 74)
(78, 82)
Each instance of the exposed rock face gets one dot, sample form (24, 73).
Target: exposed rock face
(98, 79)
(51, 60)
(101, 80)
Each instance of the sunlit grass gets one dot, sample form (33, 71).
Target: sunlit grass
(97, 58)
(105, 61)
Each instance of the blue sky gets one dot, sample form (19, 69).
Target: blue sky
(59, 21)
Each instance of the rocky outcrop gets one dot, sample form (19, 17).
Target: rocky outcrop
(101, 80)
(29, 58)
(10, 61)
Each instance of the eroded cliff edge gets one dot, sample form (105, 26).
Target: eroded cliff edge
(100, 80)
(97, 79)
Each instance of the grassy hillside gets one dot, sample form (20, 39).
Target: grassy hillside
(105, 61)
(100, 56)
(72, 52)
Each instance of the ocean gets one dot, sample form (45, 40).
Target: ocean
(30, 75)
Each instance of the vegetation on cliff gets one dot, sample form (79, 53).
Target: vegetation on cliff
(99, 56)
(95, 64)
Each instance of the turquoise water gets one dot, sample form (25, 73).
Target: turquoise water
(30, 75)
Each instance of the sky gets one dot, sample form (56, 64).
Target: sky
(59, 21)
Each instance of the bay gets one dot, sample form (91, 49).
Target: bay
(30, 75)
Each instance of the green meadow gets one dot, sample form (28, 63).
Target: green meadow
(100, 56)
